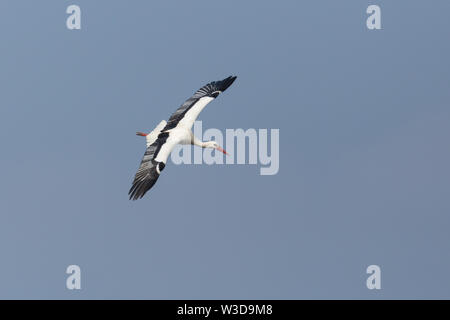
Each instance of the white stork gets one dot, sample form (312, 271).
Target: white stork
(177, 130)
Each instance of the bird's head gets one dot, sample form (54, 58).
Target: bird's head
(215, 145)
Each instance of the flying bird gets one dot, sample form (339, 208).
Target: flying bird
(177, 130)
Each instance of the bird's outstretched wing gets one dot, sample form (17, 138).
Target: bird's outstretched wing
(146, 175)
(186, 114)
(152, 164)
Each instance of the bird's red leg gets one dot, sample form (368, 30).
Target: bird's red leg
(222, 150)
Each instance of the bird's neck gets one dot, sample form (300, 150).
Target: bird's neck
(203, 144)
(198, 142)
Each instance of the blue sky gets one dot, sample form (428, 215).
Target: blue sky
(363, 118)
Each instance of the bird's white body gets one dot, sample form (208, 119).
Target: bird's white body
(181, 134)
(176, 136)
(166, 135)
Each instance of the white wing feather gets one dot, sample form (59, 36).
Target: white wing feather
(153, 135)
(190, 116)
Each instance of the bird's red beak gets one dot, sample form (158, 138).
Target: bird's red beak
(141, 134)
(222, 150)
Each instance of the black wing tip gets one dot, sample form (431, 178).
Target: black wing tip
(213, 89)
(142, 185)
(226, 83)
(134, 198)
(134, 194)
(231, 78)
(139, 189)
